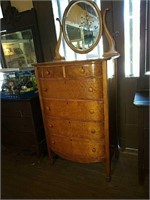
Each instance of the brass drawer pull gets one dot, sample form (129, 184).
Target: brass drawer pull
(92, 111)
(93, 131)
(93, 149)
(90, 89)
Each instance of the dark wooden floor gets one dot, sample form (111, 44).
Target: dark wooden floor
(24, 176)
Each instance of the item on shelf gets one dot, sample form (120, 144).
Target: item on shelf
(17, 84)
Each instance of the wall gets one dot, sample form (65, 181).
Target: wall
(22, 5)
(46, 25)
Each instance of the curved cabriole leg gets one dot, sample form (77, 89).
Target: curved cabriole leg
(51, 157)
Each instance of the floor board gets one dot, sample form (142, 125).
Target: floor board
(24, 176)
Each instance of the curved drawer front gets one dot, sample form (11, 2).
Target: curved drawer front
(78, 129)
(50, 72)
(83, 70)
(77, 149)
(77, 110)
(72, 89)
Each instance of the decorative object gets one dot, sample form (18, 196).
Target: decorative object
(19, 84)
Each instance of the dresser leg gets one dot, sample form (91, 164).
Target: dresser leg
(51, 157)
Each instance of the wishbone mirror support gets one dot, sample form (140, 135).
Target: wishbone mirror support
(82, 26)
(111, 51)
(57, 54)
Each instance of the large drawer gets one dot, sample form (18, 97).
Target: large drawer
(91, 88)
(50, 72)
(77, 149)
(83, 70)
(78, 129)
(77, 110)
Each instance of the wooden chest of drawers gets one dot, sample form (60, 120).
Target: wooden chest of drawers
(74, 102)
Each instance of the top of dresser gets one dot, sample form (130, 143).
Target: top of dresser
(70, 62)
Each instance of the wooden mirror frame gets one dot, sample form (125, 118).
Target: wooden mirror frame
(98, 12)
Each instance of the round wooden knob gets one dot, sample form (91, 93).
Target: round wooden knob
(53, 142)
(48, 72)
(91, 111)
(48, 108)
(93, 131)
(45, 89)
(93, 149)
(50, 125)
(90, 89)
(82, 70)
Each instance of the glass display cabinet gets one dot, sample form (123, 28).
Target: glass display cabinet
(21, 119)
(20, 44)
(20, 40)
(18, 48)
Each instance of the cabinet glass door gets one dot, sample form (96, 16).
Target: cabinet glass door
(18, 48)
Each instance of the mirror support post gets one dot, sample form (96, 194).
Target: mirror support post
(112, 51)
(57, 54)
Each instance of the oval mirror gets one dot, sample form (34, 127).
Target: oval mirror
(82, 25)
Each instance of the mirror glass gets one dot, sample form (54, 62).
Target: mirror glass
(18, 48)
(82, 25)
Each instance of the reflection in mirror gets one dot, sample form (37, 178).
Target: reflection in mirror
(18, 49)
(82, 26)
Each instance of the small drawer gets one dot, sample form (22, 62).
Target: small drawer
(76, 110)
(77, 149)
(83, 70)
(78, 129)
(52, 72)
(90, 88)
